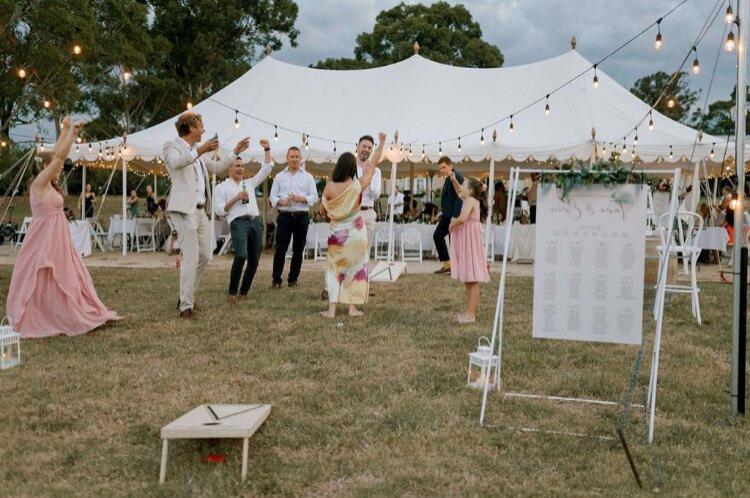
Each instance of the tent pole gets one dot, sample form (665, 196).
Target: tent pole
(156, 194)
(739, 289)
(211, 228)
(390, 204)
(124, 207)
(83, 191)
(488, 232)
(411, 180)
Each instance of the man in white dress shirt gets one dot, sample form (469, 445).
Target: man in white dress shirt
(397, 204)
(235, 199)
(188, 165)
(293, 194)
(372, 193)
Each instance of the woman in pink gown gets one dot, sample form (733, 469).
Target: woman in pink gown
(51, 291)
(468, 261)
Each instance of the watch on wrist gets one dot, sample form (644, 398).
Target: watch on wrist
(267, 149)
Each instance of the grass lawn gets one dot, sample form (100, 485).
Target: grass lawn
(368, 406)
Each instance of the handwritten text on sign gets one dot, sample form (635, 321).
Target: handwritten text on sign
(588, 269)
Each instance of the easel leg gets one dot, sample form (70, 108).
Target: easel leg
(245, 449)
(163, 470)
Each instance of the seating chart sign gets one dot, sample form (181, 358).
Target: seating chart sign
(588, 270)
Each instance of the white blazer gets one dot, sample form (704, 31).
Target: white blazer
(179, 160)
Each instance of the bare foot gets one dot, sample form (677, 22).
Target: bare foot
(328, 314)
(355, 312)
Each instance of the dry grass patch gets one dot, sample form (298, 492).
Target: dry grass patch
(370, 406)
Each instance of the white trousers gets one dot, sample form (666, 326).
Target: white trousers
(194, 237)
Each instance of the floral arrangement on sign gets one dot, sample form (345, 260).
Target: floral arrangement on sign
(609, 173)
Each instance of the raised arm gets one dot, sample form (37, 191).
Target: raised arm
(369, 171)
(266, 167)
(59, 153)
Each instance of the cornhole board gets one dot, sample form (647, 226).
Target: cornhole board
(386, 271)
(215, 422)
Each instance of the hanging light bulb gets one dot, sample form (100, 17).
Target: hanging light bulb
(422, 151)
(481, 137)
(79, 140)
(624, 145)
(596, 78)
(41, 147)
(440, 147)
(47, 104)
(189, 105)
(659, 39)
(77, 49)
(3, 143)
(236, 119)
(78, 151)
(22, 73)
(126, 75)
(459, 144)
(100, 152)
(511, 128)
(635, 139)
(671, 152)
(276, 134)
(546, 106)
(307, 142)
(650, 121)
(334, 146)
(729, 17)
(696, 64)
(670, 103)
(604, 149)
(712, 150)
(729, 44)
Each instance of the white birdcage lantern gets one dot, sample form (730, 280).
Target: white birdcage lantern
(10, 345)
(483, 365)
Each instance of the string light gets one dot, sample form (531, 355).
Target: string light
(423, 151)
(78, 140)
(276, 134)
(546, 106)
(604, 149)
(41, 147)
(334, 145)
(77, 49)
(126, 75)
(729, 17)
(89, 147)
(481, 137)
(596, 78)
(459, 144)
(47, 104)
(712, 147)
(236, 119)
(671, 152)
(511, 128)
(307, 142)
(659, 39)
(696, 64)
(729, 44)
(635, 139)
(3, 143)
(650, 121)
(189, 105)
(440, 147)
(22, 73)
(624, 145)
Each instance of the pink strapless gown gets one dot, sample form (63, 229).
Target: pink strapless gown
(468, 261)
(51, 291)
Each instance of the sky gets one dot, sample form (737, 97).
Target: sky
(527, 31)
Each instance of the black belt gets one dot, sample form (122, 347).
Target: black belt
(247, 217)
(294, 213)
(200, 206)
(365, 208)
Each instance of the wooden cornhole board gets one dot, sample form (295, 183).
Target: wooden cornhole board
(215, 422)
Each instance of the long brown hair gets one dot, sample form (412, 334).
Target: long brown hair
(477, 190)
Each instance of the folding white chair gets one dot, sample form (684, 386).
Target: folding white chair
(145, 238)
(687, 231)
(321, 241)
(381, 245)
(411, 245)
(651, 221)
(226, 245)
(98, 235)
(22, 231)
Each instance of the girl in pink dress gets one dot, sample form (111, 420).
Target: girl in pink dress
(468, 261)
(51, 291)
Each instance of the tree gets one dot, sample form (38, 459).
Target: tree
(718, 117)
(446, 34)
(206, 44)
(649, 88)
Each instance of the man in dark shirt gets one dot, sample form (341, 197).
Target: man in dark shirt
(450, 205)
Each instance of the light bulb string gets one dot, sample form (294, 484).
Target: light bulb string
(712, 16)
(572, 79)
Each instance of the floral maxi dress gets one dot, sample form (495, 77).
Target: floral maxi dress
(346, 262)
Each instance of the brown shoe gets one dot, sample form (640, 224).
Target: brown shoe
(324, 295)
(187, 314)
(195, 306)
(231, 299)
(444, 269)
(276, 285)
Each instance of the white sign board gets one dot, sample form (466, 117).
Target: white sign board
(588, 271)
(661, 203)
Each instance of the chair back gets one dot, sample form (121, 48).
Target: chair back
(411, 245)
(686, 230)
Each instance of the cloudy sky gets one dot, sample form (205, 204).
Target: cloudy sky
(529, 30)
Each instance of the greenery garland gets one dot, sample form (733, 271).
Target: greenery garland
(607, 173)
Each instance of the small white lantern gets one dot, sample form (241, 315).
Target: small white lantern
(480, 361)
(10, 345)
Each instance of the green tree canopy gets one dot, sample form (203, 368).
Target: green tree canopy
(717, 120)
(648, 89)
(446, 34)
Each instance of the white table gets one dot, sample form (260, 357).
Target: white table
(115, 228)
(215, 422)
(80, 232)
(713, 239)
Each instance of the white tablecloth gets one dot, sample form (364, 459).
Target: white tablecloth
(115, 228)
(80, 232)
(713, 239)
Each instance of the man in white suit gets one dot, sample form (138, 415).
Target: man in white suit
(189, 201)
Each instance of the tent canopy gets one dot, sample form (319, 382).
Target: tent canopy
(431, 105)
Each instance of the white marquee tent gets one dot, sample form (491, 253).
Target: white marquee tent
(431, 105)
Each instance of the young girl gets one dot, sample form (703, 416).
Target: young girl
(468, 259)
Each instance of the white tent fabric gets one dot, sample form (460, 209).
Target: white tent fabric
(428, 103)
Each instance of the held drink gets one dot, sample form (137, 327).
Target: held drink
(244, 190)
